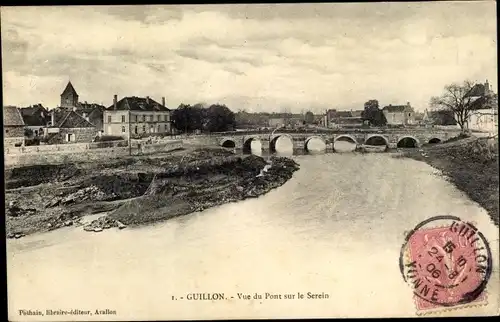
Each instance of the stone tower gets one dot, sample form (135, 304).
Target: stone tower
(69, 97)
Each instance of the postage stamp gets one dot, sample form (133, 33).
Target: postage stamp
(447, 262)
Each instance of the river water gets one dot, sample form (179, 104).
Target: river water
(335, 228)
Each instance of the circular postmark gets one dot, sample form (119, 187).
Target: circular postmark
(446, 261)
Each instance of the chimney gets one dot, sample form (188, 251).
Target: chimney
(52, 117)
(147, 100)
(163, 100)
(115, 100)
(408, 103)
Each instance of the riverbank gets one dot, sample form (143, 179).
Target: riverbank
(135, 190)
(470, 164)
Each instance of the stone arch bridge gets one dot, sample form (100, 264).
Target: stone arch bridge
(392, 138)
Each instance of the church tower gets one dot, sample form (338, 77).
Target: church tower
(69, 97)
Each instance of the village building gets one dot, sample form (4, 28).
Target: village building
(92, 112)
(69, 127)
(36, 118)
(13, 127)
(399, 114)
(337, 119)
(136, 117)
(484, 114)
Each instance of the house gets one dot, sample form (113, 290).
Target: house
(439, 117)
(13, 127)
(136, 116)
(69, 127)
(484, 109)
(36, 118)
(399, 114)
(352, 118)
(94, 113)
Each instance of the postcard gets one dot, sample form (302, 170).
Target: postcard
(251, 161)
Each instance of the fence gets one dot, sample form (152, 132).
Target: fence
(82, 152)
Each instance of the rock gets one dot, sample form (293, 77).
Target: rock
(106, 226)
(52, 203)
(19, 235)
(98, 229)
(58, 225)
(239, 188)
(120, 225)
(11, 235)
(49, 225)
(88, 228)
(68, 223)
(74, 217)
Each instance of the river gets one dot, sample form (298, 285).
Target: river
(336, 228)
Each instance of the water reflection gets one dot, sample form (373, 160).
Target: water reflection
(256, 147)
(344, 146)
(316, 146)
(284, 146)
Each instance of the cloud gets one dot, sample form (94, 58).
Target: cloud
(261, 57)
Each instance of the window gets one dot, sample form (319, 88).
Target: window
(123, 118)
(135, 130)
(159, 116)
(144, 128)
(166, 128)
(109, 118)
(123, 129)
(144, 120)
(151, 128)
(151, 118)
(136, 118)
(159, 130)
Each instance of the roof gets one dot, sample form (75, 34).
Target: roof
(88, 107)
(69, 89)
(35, 115)
(71, 119)
(357, 113)
(344, 114)
(12, 116)
(133, 103)
(477, 90)
(396, 108)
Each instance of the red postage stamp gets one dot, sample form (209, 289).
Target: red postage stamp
(447, 262)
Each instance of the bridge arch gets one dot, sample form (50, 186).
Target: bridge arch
(376, 139)
(408, 141)
(346, 137)
(313, 137)
(227, 143)
(434, 141)
(274, 138)
(247, 143)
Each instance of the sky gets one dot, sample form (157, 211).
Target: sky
(285, 57)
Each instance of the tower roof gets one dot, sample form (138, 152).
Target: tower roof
(69, 89)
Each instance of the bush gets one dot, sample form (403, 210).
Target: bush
(461, 136)
(106, 138)
(32, 141)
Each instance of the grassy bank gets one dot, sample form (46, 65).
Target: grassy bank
(135, 191)
(471, 165)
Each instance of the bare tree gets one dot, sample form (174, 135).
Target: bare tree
(459, 99)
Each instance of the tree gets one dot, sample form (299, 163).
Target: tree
(187, 118)
(443, 117)
(373, 114)
(28, 132)
(459, 99)
(219, 118)
(309, 117)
